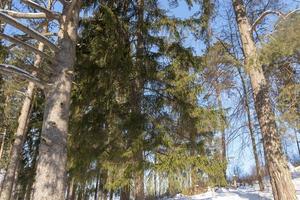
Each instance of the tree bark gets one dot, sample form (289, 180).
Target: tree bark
(137, 98)
(51, 164)
(12, 169)
(97, 186)
(251, 131)
(282, 185)
(223, 136)
(125, 193)
(139, 179)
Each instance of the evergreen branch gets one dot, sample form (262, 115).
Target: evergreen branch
(36, 35)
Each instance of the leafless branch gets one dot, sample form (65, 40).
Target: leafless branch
(263, 15)
(48, 12)
(36, 35)
(25, 46)
(16, 14)
(16, 71)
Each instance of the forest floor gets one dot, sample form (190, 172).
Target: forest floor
(242, 193)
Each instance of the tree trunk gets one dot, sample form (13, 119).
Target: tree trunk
(193, 152)
(2, 143)
(111, 195)
(97, 186)
(155, 177)
(125, 193)
(282, 185)
(137, 98)
(223, 136)
(51, 164)
(251, 131)
(12, 169)
(139, 179)
(73, 192)
(297, 142)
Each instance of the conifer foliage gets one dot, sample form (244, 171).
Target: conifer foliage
(125, 107)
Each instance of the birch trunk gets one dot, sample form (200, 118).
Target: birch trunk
(250, 127)
(282, 186)
(51, 164)
(11, 173)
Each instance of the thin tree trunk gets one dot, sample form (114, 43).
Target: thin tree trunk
(137, 98)
(2, 143)
(111, 195)
(251, 131)
(193, 151)
(51, 164)
(282, 185)
(97, 185)
(9, 178)
(223, 136)
(73, 192)
(297, 141)
(155, 177)
(125, 193)
(139, 179)
(70, 189)
(11, 173)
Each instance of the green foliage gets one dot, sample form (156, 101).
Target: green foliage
(106, 130)
(280, 56)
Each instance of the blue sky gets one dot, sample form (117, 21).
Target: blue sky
(245, 158)
(240, 150)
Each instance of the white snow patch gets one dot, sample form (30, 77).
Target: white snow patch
(250, 193)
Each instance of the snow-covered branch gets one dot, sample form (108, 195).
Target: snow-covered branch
(16, 71)
(34, 34)
(25, 46)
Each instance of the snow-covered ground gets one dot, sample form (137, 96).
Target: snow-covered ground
(242, 193)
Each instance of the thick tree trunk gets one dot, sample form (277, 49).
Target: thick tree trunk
(282, 185)
(12, 169)
(251, 131)
(51, 164)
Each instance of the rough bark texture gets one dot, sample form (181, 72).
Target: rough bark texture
(252, 136)
(51, 164)
(282, 186)
(11, 173)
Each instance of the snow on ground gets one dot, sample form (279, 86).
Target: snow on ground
(251, 193)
